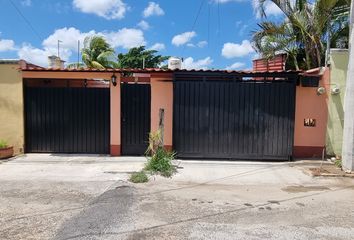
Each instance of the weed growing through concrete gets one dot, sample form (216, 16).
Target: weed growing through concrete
(160, 162)
(338, 163)
(139, 177)
(159, 159)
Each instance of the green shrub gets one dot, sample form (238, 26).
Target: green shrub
(139, 177)
(160, 162)
(3, 144)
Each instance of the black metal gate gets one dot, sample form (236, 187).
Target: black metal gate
(67, 120)
(136, 102)
(233, 119)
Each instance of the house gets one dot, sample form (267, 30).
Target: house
(203, 113)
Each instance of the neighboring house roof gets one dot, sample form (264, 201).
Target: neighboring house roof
(9, 61)
(23, 64)
(150, 70)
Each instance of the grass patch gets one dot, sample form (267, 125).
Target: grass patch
(139, 177)
(338, 163)
(160, 162)
(3, 144)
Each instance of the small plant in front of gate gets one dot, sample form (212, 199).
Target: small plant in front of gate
(159, 159)
(338, 163)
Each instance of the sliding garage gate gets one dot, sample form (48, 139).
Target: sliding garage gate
(224, 116)
(63, 116)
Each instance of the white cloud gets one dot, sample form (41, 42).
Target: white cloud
(153, 9)
(270, 8)
(109, 9)
(26, 3)
(183, 38)
(40, 56)
(125, 38)
(189, 63)
(6, 45)
(202, 44)
(232, 50)
(68, 38)
(236, 65)
(158, 47)
(143, 25)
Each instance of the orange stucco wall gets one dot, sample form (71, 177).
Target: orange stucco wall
(116, 118)
(309, 141)
(162, 98)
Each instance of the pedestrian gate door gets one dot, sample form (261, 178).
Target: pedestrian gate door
(63, 116)
(233, 119)
(135, 118)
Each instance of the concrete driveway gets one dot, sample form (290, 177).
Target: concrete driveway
(88, 197)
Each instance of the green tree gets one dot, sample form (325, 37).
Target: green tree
(97, 53)
(137, 56)
(303, 32)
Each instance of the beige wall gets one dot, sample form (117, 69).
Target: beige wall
(11, 106)
(339, 67)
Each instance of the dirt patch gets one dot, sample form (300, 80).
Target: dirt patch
(318, 171)
(300, 188)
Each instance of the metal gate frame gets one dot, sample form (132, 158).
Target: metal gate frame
(266, 149)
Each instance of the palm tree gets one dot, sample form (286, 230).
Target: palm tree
(97, 53)
(273, 38)
(304, 30)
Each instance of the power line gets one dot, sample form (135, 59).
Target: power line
(26, 20)
(195, 21)
(208, 25)
(219, 24)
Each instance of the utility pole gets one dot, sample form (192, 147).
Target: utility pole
(348, 130)
(78, 53)
(59, 47)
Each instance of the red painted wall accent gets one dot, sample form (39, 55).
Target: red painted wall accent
(115, 150)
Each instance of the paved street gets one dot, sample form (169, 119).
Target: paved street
(88, 197)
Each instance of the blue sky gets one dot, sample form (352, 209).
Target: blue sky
(220, 38)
